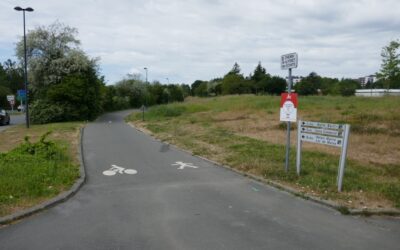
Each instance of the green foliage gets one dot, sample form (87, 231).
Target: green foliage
(11, 76)
(347, 87)
(43, 112)
(63, 79)
(234, 84)
(235, 69)
(34, 170)
(275, 86)
(309, 85)
(259, 73)
(4, 91)
(390, 68)
(201, 90)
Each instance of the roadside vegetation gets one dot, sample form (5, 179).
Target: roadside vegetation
(244, 132)
(36, 164)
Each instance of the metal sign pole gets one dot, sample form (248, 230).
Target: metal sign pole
(298, 155)
(343, 155)
(288, 126)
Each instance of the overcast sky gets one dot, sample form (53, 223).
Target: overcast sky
(185, 40)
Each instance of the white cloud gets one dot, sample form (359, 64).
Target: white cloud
(201, 39)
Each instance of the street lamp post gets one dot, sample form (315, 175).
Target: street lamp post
(29, 9)
(145, 68)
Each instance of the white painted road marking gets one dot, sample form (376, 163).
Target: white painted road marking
(183, 165)
(116, 169)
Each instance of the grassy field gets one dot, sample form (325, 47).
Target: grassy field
(244, 132)
(36, 165)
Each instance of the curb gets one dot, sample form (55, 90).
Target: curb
(342, 209)
(59, 198)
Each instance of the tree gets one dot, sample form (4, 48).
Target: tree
(231, 84)
(4, 91)
(347, 87)
(63, 79)
(259, 73)
(196, 84)
(201, 90)
(309, 85)
(186, 90)
(275, 86)
(328, 85)
(390, 67)
(11, 76)
(235, 69)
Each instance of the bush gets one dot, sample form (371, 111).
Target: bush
(43, 112)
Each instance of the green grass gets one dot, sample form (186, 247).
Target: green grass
(35, 171)
(192, 125)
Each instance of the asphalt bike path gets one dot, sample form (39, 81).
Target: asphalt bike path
(144, 194)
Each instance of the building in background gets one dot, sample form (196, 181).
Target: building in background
(367, 79)
(377, 92)
(295, 79)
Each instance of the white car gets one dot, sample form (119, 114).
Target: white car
(21, 108)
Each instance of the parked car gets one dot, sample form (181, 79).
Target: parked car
(4, 117)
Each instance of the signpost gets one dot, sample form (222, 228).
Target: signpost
(11, 100)
(21, 93)
(288, 61)
(21, 96)
(336, 135)
(143, 108)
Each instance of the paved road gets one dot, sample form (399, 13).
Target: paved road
(164, 207)
(14, 120)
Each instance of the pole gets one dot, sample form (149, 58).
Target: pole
(298, 155)
(288, 126)
(343, 155)
(26, 79)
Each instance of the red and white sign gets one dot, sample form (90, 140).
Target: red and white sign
(12, 102)
(288, 107)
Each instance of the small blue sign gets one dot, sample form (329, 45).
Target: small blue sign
(21, 93)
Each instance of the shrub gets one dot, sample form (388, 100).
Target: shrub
(43, 112)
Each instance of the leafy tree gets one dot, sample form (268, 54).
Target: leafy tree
(232, 84)
(275, 86)
(61, 76)
(201, 90)
(176, 93)
(11, 76)
(259, 73)
(309, 85)
(235, 69)
(195, 85)
(328, 85)
(4, 91)
(156, 93)
(135, 90)
(347, 87)
(390, 67)
(185, 90)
